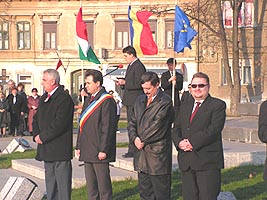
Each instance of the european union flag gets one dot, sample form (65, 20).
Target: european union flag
(183, 33)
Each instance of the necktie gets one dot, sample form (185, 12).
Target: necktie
(92, 98)
(149, 100)
(47, 98)
(195, 111)
(14, 100)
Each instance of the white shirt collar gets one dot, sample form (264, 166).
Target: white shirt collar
(133, 61)
(53, 91)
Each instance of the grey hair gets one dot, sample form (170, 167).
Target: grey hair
(53, 74)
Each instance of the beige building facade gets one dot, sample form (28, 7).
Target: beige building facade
(36, 33)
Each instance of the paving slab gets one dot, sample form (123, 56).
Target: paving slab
(226, 196)
(6, 173)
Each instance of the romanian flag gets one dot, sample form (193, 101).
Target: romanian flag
(183, 33)
(85, 50)
(141, 35)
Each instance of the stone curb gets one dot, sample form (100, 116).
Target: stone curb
(32, 167)
(35, 169)
(239, 134)
(244, 158)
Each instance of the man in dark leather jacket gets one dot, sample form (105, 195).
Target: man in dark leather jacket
(150, 132)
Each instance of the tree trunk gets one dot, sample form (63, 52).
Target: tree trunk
(225, 56)
(232, 78)
(235, 95)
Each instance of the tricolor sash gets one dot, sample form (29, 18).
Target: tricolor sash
(91, 108)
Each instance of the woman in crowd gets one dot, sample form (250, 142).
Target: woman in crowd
(4, 114)
(33, 103)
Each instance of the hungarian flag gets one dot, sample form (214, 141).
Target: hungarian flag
(141, 35)
(85, 50)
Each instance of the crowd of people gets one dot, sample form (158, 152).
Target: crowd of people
(17, 109)
(156, 120)
(193, 125)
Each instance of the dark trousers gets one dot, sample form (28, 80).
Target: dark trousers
(98, 181)
(201, 185)
(117, 122)
(154, 187)
(14, 124)
(58, 177)
(129, 113)
(176, 110)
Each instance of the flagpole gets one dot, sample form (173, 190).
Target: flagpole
(82, 67)
(82, 81)
(174, 81)
(173, 71)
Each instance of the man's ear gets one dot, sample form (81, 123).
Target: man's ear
(53, 82)
(98, 83)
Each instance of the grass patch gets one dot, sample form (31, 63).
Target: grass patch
(122, 145)
(5, 159)
(244, 182)
(122, 124)
(75, 124)
(126, 190)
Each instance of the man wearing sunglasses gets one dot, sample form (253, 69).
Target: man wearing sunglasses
(197, 138)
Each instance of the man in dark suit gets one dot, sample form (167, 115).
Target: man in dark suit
(53, 132)
(186, 94)
(197, 137)
(150, 131)
(167, 80)
(132, 85)
(96, 142)
(17, 109)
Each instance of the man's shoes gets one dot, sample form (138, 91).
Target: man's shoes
(127, 155)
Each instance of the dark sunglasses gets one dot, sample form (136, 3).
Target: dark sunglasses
(198, 85)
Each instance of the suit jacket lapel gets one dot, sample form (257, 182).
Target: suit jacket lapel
(201, 109)
(130, 67)
(127, 70)
(189, 109)
(155, 100)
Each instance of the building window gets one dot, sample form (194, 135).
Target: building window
(90, 32)
(246, 75)
(245, 17)
(169, 33)
(224, 81)
(153, 28)
(4, 35)
(24, 35)
(244, 72)
(50, 35)
(3, 81)
(122, 35)
(27, 81)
